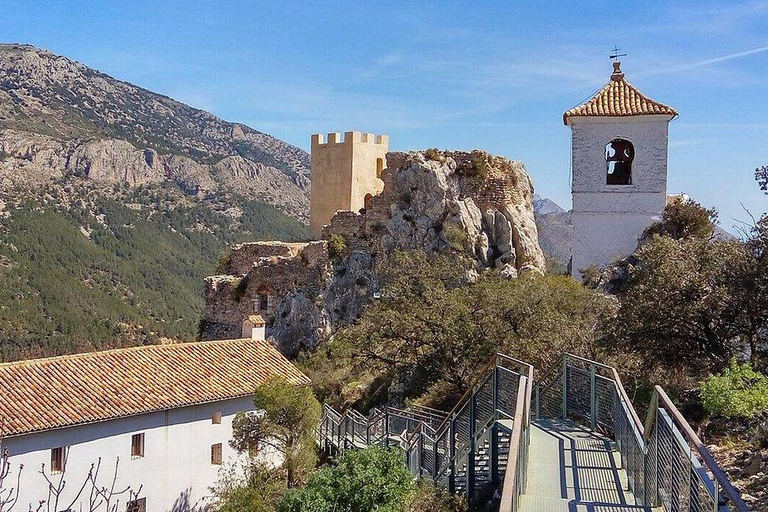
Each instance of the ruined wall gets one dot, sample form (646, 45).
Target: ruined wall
(471, 203)
(283, 282)
(344, 172)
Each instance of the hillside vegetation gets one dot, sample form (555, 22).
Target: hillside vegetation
(115, 203)
(117, 269)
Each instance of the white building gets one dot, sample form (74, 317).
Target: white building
(619, 166)
(164, 410)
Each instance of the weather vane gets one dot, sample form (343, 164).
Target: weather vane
(615, 54)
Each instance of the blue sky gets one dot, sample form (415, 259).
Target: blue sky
(489, 75)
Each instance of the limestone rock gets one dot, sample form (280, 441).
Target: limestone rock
(436, 201)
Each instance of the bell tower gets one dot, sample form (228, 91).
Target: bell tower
(619, 142)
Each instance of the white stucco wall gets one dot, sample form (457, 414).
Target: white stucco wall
(175, 472)
(608, 219)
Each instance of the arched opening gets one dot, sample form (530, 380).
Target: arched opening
(619, 154)
(379, 167)
(367, 201)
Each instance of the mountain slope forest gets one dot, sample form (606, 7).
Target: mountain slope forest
(115, 202)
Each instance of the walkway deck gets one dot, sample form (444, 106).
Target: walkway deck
(575, 470)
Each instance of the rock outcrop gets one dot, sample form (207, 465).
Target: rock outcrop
(472, 202)
(469, 203)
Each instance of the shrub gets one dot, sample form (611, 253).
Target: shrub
(337, 246)
(737, 392)
(434, 154)
(370, 479)
(428, 498)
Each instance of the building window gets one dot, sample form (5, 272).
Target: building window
(216, 454)
(367, 201)
(137, 446)
(379, 167)
(263, 301)
(57, 460)
(137, 505)
(216, 418)
(619, 154)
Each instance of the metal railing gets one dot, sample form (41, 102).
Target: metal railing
(666, 463)
(480, 445)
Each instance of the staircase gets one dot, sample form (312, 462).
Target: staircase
(584, 451)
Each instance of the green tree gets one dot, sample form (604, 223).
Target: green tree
(684, 218)
(285, 420)
(432, 330)
(761, 175)
(679, 307)
(261, 491)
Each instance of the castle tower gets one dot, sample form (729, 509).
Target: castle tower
(345, 174)
(619, 164)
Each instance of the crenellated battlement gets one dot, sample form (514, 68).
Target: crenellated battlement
(319, 140)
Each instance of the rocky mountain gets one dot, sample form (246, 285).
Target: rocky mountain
(115, 202)
(61, 119)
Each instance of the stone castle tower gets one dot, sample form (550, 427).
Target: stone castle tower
(345, 174)
(619, 165)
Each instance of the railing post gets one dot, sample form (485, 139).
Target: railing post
(592, 398)
(386, 427)
(421, 452)
(565, 387)
(472, 448)
(452, 455)
(493, 460)
(538, 405)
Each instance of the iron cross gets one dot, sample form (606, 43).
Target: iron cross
(615, 54)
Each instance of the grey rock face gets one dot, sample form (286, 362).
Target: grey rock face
(60, 118)
(470, 202)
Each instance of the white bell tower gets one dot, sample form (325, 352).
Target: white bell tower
(619, 162)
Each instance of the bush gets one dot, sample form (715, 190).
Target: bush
(428, 498)
(337, 246)
(737, 392)
(370, 479)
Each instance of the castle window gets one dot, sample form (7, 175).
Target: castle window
(367, 201)
(619, 154)
(379, 167)
(263, 301)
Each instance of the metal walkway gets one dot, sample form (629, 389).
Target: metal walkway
(569, 441)
(574, 469)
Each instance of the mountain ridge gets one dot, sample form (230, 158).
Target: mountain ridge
(60, 99)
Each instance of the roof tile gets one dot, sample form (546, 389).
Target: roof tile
(41, 394)
(618, 98)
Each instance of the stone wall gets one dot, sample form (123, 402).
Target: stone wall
(287, 278)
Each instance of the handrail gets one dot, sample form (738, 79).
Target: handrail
(511, 477)
(644, 438)
(660, 395)
(619, 386)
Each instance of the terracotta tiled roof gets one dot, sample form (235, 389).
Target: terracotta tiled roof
(617, 99)
(41, 394)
